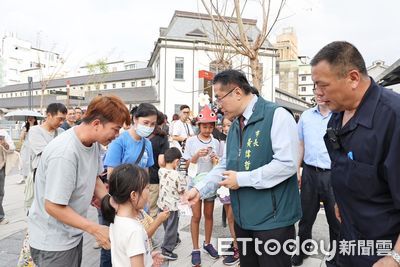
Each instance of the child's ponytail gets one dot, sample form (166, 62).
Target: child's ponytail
(107, 210)
(124, 179)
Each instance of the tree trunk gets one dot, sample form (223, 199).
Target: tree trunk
(256, 74)
(41, 101)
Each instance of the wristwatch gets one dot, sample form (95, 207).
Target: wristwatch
(395, 256)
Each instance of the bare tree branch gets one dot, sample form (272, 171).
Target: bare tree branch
(231, 41)
(275, 20)
(238, 38)
(242, 34)
(258, 43)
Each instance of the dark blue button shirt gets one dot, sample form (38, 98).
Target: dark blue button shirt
(366, 169)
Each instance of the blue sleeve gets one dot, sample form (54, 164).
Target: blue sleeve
(149, 149)
(210, 184)
(114, 154)
(300, 128)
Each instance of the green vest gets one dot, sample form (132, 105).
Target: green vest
(260, 209)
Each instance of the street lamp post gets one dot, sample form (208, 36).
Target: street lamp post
(30, 100)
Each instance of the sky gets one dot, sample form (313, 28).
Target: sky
(86, 30)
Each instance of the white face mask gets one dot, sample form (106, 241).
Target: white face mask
(143, 130)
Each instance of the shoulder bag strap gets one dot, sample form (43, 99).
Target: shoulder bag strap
(141, 152)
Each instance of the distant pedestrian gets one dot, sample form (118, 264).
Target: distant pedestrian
(165, 124)
(25, 150)
(182, 128)
(175, 117)
(7, 148)
(78, 115)
(40, 135)
(70, 120)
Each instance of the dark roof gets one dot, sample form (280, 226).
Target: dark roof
(86, 79)
(196, 32)
(106, 63)
(292, 106)
(187, 14)
(196, 26)
(390, 76)
(133, 95)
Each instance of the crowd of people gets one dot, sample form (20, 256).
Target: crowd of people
(142, 173)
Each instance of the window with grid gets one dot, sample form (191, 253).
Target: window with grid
(179, 63)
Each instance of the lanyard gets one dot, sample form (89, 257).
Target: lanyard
(187, 129)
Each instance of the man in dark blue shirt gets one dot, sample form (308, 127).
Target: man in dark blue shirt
(363, 141)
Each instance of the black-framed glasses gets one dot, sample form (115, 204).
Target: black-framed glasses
(219, 99)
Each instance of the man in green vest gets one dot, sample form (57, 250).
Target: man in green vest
(259, 168)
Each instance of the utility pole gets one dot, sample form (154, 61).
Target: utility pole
(67, 102)
(30, 100)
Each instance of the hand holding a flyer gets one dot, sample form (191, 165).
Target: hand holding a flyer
(163, 216)
(184, 207)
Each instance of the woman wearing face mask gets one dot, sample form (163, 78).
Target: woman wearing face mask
(128, 147)
(131, 146)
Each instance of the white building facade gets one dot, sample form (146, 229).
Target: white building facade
(185, 48)
(377, 67)
(305, 82)
(133, 86)
(112, 66)
(171, 77)
(18, 58)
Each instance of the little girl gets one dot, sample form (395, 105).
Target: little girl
(129, 191)
(201, 151)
